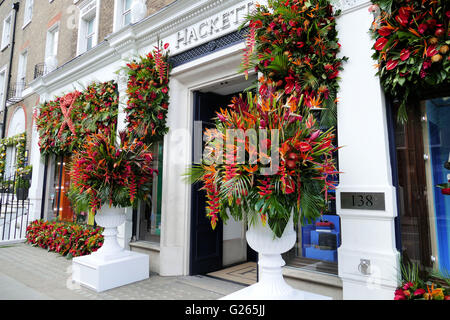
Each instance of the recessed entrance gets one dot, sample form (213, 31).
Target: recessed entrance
(225, 247)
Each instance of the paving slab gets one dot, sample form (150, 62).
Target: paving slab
(32, 273)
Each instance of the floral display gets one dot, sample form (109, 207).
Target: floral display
(299, 183)
(418, 284)
(415, 291)
(19, 141)
(294, 45)
(148, 91)
(68, 240)
(105, 171)
(64, 123)
(412, 39)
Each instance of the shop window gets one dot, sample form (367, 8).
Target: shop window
(437, 172)
(59, 205)
(149, 223)
(318, 241)
(423, 162)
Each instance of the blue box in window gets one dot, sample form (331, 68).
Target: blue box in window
(321, 243)
(315, 253)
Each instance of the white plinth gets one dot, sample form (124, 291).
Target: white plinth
(100, 275)
(259, 292)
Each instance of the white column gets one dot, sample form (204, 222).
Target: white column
(37, 179)
(125, 229)
(175, 228)
(365, 162)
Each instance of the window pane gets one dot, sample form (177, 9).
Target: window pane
(127, 5)
(150, 214)
(89, 43)
(437, 146)
(90, 26)
(127, 19)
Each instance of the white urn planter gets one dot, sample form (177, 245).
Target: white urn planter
(110, 266)
(271, 284)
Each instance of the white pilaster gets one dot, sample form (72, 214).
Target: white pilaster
(125, 230)
(37, 179)
(365, 163)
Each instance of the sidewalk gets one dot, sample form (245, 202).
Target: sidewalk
(30, 273)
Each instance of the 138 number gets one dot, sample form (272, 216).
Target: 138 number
(362, 201)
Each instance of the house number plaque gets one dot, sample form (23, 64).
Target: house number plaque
(362, 200)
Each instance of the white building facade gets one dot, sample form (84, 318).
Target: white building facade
(206, 48)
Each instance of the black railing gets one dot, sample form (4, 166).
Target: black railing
(39, 70)
(14, 207)
(15, 92)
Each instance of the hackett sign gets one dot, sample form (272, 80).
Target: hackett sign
(210, 28)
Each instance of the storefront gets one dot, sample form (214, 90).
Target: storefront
(355, 255)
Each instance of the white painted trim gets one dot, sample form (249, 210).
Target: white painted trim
(4, 70)
(5, 44)
(81, 44)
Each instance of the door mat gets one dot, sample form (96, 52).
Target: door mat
(243, 273)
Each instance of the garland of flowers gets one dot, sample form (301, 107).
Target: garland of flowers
(20, 142)
(148, 91)
(64, 123)
(294, 44)
(411, 47)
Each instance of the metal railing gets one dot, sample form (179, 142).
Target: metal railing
(15, 92)
(39, 70)
(14, 207)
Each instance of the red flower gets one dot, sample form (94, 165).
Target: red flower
(166, 46)
(391, 64)
(304, 146)
(445, 191)
(431, 51)
(380, 44)
(422, 28)
(404, 54)
(399, 295)
(384, 31)
(419, 292)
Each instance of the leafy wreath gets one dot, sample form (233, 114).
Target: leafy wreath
(148, 91)
(411, 47)
(64, 123)
(20, 142)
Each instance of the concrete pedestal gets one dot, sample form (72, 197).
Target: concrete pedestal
(100, 275)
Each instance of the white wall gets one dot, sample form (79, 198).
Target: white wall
(365, 163)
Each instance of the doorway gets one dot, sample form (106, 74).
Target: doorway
(224, 250)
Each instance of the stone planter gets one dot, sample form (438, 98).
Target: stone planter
(271, 285)
(110, 266)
